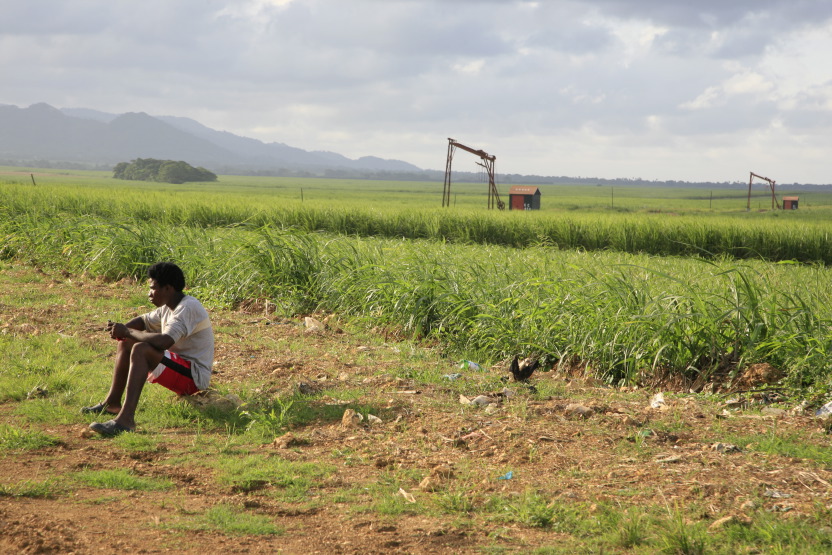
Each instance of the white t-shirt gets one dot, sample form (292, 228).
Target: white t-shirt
(190, 328)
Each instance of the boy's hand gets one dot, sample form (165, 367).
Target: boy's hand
(117, 331)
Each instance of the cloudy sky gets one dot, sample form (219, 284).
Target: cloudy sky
(658, 89)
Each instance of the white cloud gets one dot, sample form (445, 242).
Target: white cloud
(471, 68)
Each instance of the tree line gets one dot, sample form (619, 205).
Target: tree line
(162, 171)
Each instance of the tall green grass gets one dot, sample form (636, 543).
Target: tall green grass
(775, 236)
(628, 318)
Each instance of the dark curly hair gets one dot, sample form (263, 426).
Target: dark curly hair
(167, 273)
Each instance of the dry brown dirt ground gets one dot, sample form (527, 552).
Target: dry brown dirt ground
(613, 448)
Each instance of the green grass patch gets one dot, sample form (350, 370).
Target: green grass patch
(137, 443)
(270, 474)
(232, 522)
(47, 489)
(531, 508)
(120, 479)
(786, 444)
(13, 438)
(676, 535)
(459, 501)
(770, 533)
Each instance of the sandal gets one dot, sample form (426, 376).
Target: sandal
(109, 429)
(97, 409)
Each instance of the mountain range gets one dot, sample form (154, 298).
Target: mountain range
(89, 138)
(83, 138)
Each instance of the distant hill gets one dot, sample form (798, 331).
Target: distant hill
(85, 137)
(44, 136)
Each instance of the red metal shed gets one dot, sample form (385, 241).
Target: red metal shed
(790, 203)
(524, 197)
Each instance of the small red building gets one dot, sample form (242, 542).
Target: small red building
(790, 203)
(524, 197)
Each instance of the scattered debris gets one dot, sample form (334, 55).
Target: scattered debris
(725, 448)
(452, 377)
(479, 400)
(731, 519)
(37, 393)
(383, 462)
(492, 408)
(824, 411)
(469, 365)
(668, 458)
(776, 494)
(736, 403)
(507, 476)
(483, 400)
(781, 508)
(374, 420)
(801, 408)
(505, 394)
(407, 496)
(351, 419)
(657, 402)
(288, 440)
(306, 388)
(211, 399)
(757, 375)
(630, 421)
(576, 410)
(437, 477)
(809, 476)
(313, 325)
(750, 505)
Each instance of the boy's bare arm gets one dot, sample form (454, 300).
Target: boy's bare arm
(134, 329)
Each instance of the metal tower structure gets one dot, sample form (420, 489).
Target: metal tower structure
(771, 184)
(487, 163)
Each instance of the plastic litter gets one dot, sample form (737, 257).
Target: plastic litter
(482, 400)
(657, 401)
(776, 494)
(407, 496)
(452, 377)
(469, 365)
(507, 476)
(825, 410)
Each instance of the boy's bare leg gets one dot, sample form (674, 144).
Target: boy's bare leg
(143, 358)
(120, 372)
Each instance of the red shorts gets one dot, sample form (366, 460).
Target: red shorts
(174, 373)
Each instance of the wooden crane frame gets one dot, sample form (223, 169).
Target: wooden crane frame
(487, 163)
(771, 184)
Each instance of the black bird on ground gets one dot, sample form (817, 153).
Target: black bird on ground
(522, 371)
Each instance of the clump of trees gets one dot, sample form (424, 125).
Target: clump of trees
(163, 171)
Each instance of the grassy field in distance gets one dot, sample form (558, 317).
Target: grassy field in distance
(381, 194)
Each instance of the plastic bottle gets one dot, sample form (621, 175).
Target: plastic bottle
(825, 410)
(469, 365)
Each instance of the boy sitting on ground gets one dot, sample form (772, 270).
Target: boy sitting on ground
(173, 346)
